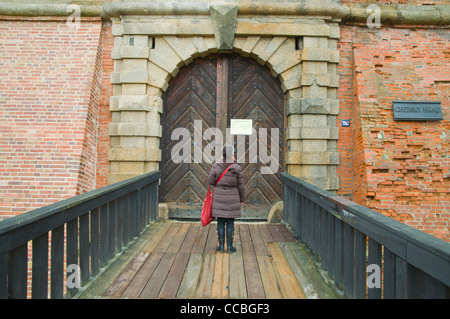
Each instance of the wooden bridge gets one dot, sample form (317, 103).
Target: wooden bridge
(179, 260)
(111, 238)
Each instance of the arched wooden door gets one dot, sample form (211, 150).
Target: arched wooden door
(215, 90)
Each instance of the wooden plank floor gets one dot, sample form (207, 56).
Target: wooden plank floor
(181, 261)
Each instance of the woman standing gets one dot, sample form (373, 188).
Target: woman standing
(228, 196)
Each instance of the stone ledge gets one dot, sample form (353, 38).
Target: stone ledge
(320, 79)
(321, 180)
(94, 9)
(172, 26)
(312, 133)
(282, 29)
(117, 9)
(312, 106)
(130, 52)
(134, 129)
(402, 14)
(130, 154)
(129, 77)
(313, 158)
(118, 177)
(392, 14)
(136, 103)
(126, 154)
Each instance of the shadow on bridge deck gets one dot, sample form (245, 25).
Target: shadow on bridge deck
(179, 260)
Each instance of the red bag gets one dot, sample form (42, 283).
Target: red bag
(207, 216)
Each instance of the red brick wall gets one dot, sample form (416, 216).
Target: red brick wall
(48, 111)
(400, 169)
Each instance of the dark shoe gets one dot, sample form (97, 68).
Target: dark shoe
(221, 236)
(230, 235)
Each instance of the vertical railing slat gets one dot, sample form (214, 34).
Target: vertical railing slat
(324, 238)
(374, 259)
(39, 273)
(154, 200)
(435, 289)
(121, 222)
(57, 263)
(17, 272)
(296, 215)
(349, 260)
(401, 268)
(330, 245)
(103, 247)
(95, 241)
(3, 275)
(72, 255)
(85, 251)
(360, 265)
(128, 221)
(338, 254)
(112, 228)
(389, 274)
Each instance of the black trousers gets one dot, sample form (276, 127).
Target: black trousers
(225, 222)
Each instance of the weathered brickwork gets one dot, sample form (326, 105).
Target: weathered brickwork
(104, 115)
(49, 104)
(400, 169)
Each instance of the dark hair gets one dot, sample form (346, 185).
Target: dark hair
(228, 151)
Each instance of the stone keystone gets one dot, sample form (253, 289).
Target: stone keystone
(224, 22)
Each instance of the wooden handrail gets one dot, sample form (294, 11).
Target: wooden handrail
(85, 230)
(338, 233)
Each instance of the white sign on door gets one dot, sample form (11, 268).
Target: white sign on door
(241, 127)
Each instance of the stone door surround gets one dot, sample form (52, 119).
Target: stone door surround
(300, 49)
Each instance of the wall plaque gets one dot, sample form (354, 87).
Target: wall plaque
(417, 111)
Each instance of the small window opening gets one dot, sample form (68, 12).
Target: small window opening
(299, 43)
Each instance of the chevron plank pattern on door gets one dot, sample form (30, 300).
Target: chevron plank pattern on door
(256, 95)
(191, 96)
(246, 90)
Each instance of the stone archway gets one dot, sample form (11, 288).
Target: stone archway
(149, 51)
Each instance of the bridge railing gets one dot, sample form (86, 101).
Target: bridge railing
(80, 234)
(364, 253)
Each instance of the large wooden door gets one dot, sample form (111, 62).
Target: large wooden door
(216, 90)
